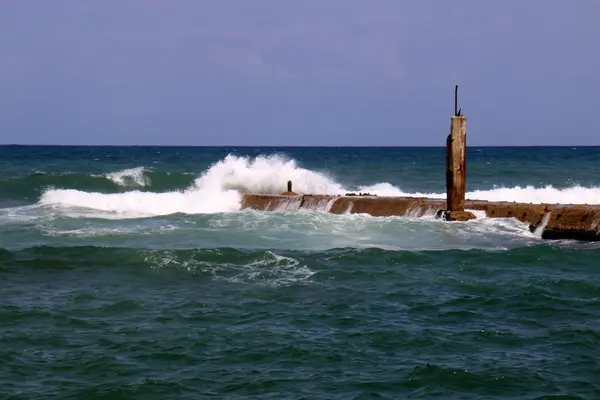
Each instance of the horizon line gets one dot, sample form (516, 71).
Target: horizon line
(280, 145)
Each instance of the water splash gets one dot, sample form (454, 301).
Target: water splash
(132, 177)
(220, 187)
(271, 269)
(543, 224)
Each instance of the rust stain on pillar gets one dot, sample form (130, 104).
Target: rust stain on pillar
(456, 164)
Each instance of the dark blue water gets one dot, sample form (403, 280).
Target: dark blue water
(131, 273)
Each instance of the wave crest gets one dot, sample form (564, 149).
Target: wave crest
(131, 177)
(220, 187)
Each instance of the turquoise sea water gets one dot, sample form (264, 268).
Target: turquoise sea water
(131, 273)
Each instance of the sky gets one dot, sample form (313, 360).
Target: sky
(298, 73)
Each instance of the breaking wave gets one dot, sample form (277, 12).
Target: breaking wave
(32, 186)
(220, 188)
(130, 177)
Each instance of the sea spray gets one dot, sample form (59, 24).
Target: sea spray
(267, 174)
(527, 194)
(220, 187)
(130, 177)
(140, 204)
(535, 195)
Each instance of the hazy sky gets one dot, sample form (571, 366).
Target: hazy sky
(276, 72)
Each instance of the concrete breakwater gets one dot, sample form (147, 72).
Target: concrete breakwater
(553, 221)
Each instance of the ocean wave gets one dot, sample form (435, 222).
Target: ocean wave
(130, 177)
(30, 187)
(287, 230)
(127, 257)
(262, 267)
(142, 192)
(219, 189)
(527, 194)
(457, 323)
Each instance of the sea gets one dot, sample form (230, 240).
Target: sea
(133, 273)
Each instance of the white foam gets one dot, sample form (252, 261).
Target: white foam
(217, 190)
(87, 232)
(479, 214)
(292, 203)
(383, 189)
(483, 226)
(220, 187)
(268, 175)
(543, 224)
(270, 270)
(140, 204)
(130, 177)
(274, 270)
(547, 194)
(527, 194)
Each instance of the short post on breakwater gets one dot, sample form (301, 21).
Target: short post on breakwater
(289, 191)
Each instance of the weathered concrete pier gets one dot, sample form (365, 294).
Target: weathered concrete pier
(551, 221)
(456, 166)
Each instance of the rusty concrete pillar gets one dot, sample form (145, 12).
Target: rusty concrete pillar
(456, 164)
(456, 167)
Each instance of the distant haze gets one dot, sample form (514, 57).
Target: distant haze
(275, 72)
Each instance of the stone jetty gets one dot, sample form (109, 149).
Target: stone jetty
(551, 221)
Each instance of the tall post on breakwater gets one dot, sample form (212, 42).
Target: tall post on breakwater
(456, 165)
